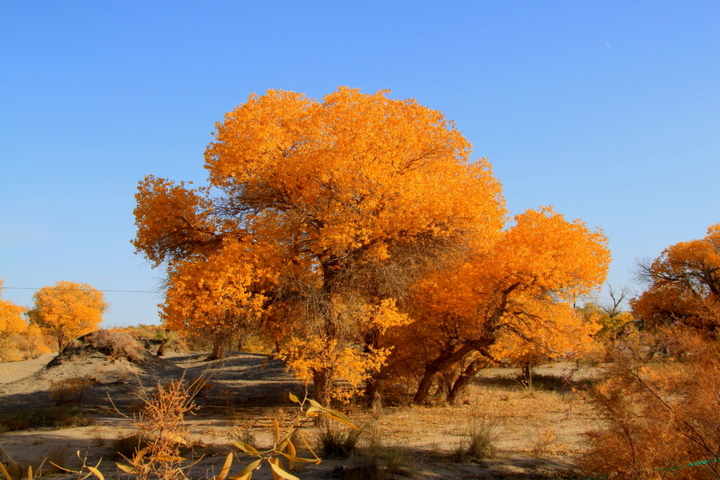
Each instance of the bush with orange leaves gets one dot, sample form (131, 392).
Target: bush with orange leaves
(18, 340)
(661, 417)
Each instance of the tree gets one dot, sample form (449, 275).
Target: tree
(12, 328)
(615, 324)
(519, 292)
(11, 320)
(317, 219)
(67, 310)
(683, 285)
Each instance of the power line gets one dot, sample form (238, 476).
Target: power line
(61, 288)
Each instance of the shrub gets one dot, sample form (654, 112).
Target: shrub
(25, 345)
(154, 451)
(59, 416)
(338, 442)
(478, 441)
(116, 344)
(70, 390)
(128, 446)
(59, 458)
(660, 417)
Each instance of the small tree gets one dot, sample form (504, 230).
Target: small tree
(11, 320)
(67, 310)
(18, 340)
(683, 285)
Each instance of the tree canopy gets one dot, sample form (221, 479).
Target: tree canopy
(67, 310)
(683, 285)
(327, 224)
(511, 301)
(11, 320)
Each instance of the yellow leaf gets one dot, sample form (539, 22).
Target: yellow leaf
(5, 472)
(96, 472)
(293, 458)
(249, 468)
(127, 468)
(278, 472)
(249, 449)
(291, 453)
(247, 476)
(226, 467)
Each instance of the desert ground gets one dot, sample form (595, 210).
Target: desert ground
(536, 432)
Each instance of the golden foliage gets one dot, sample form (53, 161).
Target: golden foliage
(341, 229)
(684, 285)
(317, 219)
(660, 419)
(511, 300)
(349, 364)
(67, 310)
(11, 320)
(18, 339)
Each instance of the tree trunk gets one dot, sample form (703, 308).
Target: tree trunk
(218, 350)
(61, 342)
(445, 360)
(371, 395)
(464, 379)
(426, 383)
(322, 381)
(527, 374)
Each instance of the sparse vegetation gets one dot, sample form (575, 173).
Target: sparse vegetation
(70, 390)
(661, 415)
(58, 416)
(477, 442)
(116, 344)
(338, 442)
(161, 432)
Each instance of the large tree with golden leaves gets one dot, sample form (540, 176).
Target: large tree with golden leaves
(67, 310)
(317, 219)
(512, 300)
(683, 285)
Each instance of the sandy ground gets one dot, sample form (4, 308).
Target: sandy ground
(9, 372)
(538, 433)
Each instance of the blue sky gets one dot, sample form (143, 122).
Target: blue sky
(609, 111)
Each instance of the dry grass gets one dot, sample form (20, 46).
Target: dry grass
(116, 344)
(70, 390)
(57, 416)
(154, 450)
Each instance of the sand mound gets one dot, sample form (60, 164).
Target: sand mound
(112, 362)
(106, 357)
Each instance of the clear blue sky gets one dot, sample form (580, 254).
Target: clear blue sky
(609, 111)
